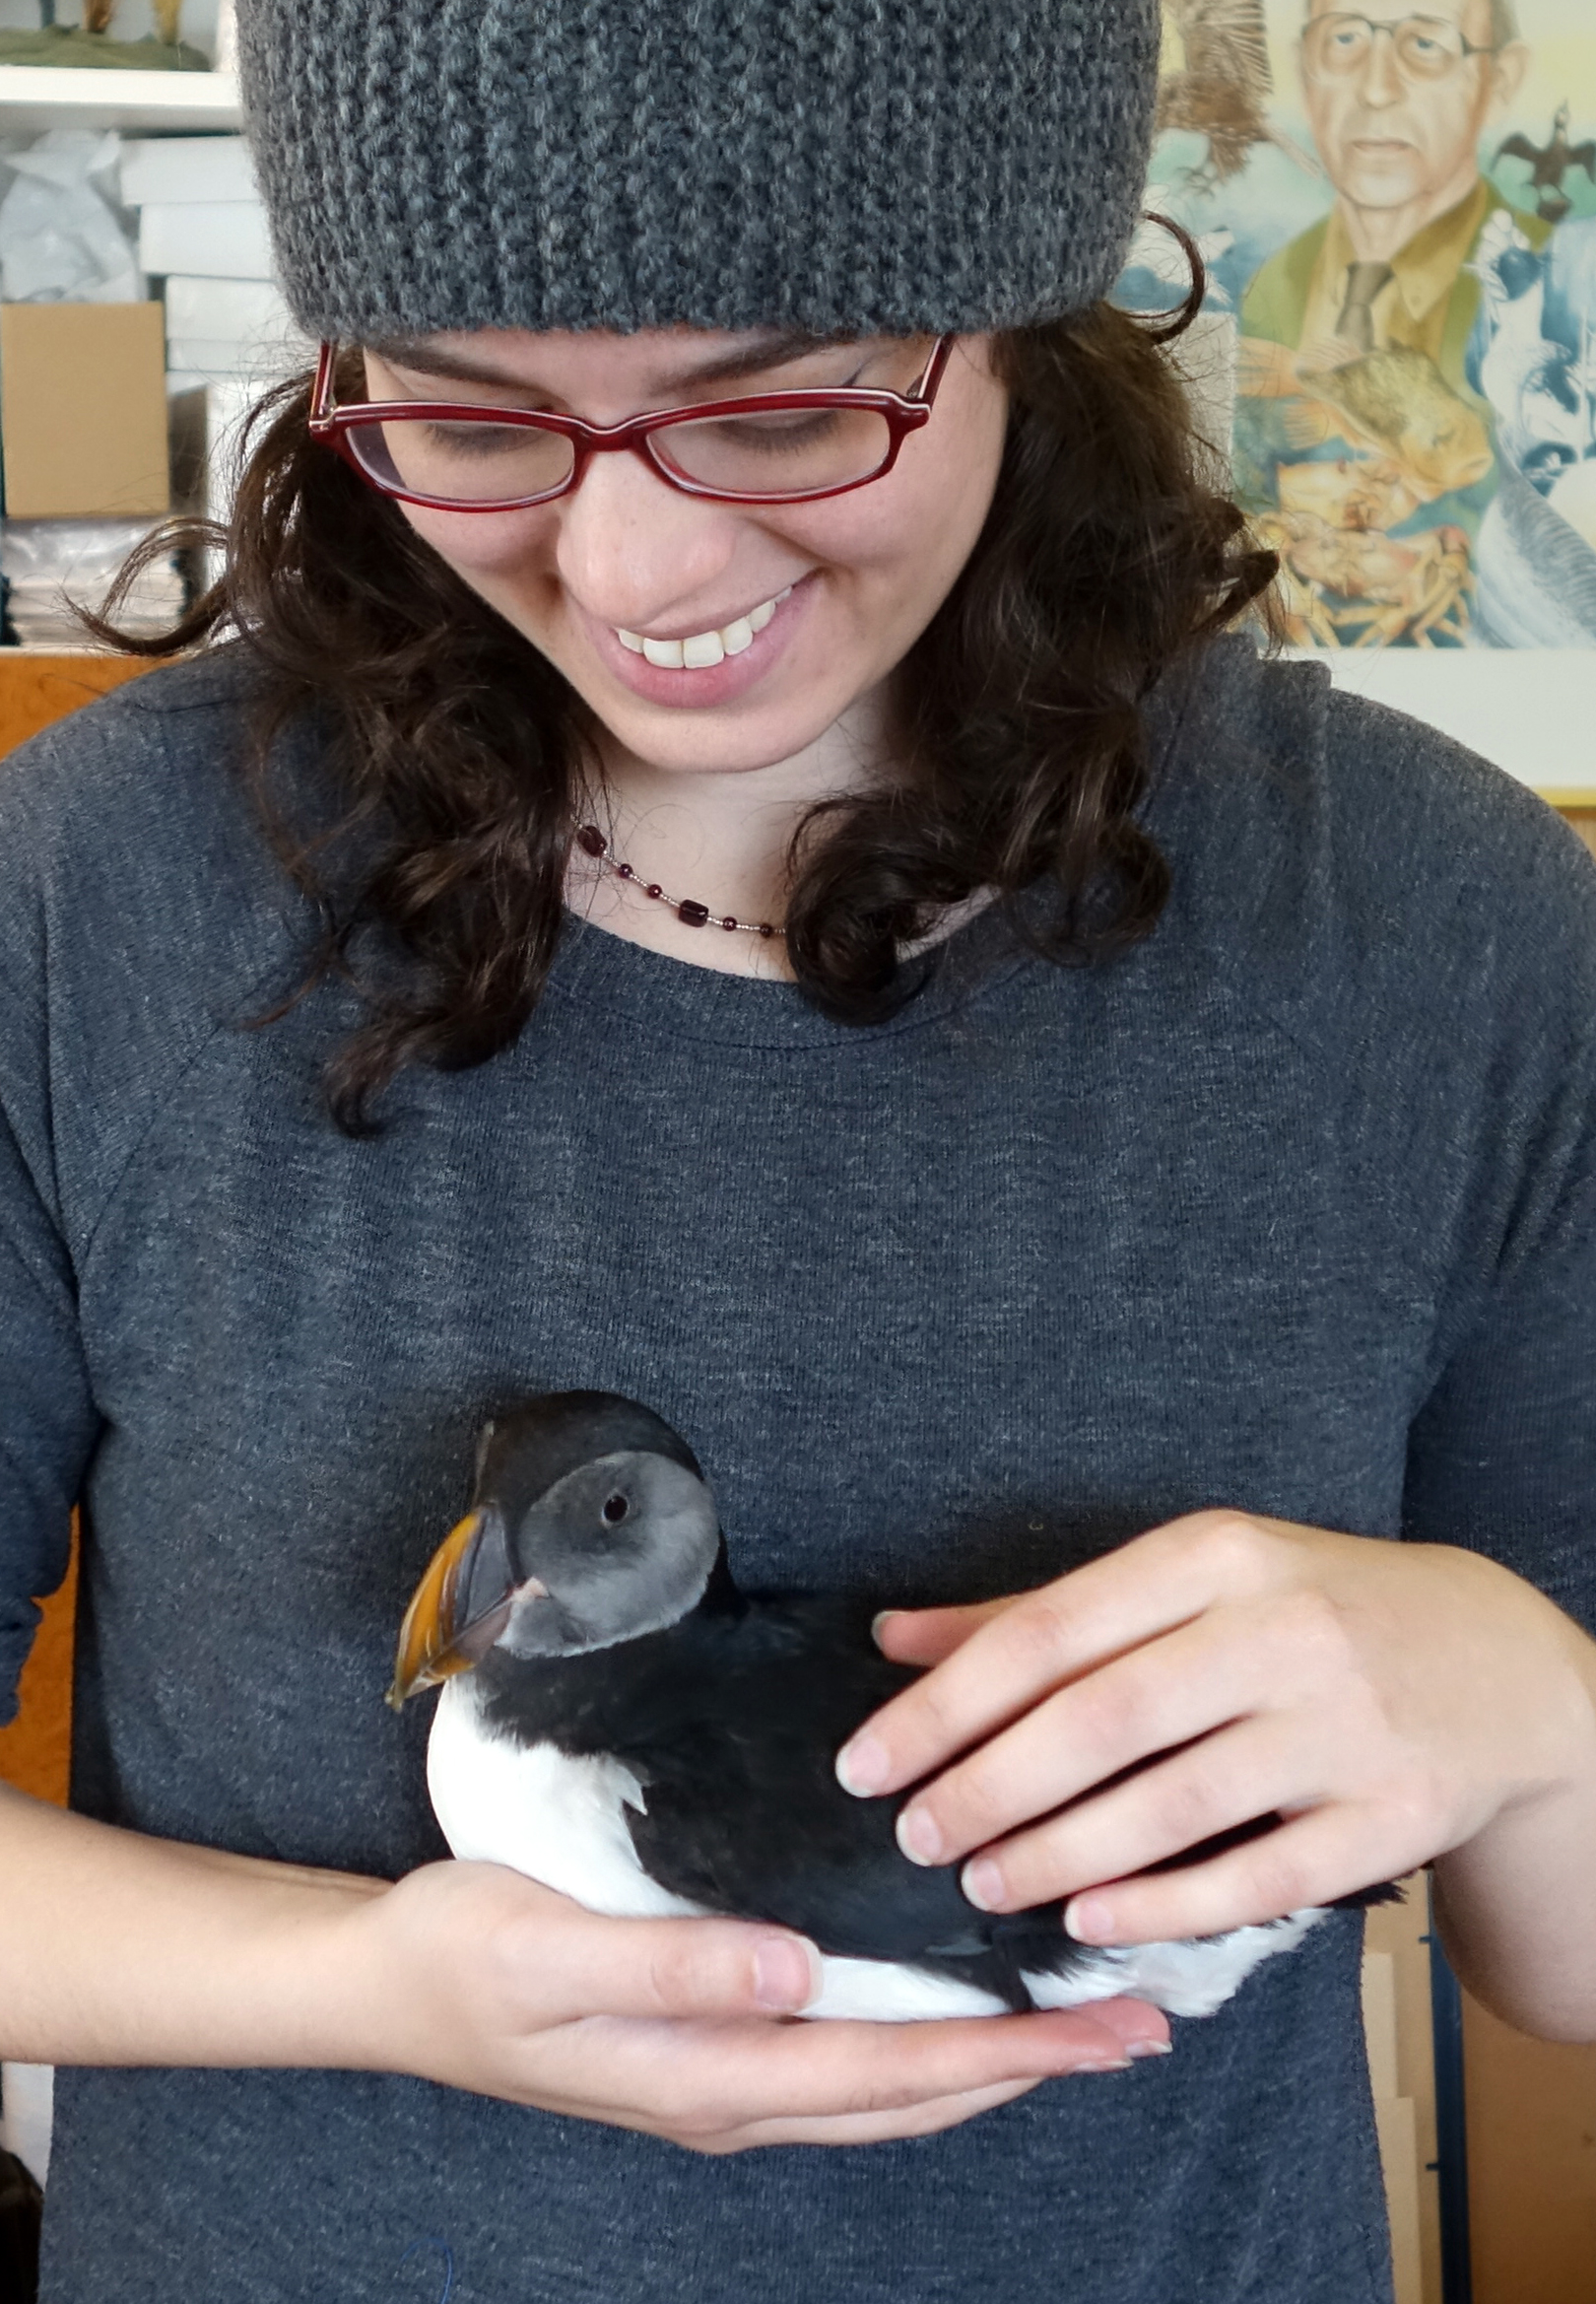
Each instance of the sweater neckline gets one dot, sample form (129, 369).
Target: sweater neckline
(594, 968)
(679, 1000)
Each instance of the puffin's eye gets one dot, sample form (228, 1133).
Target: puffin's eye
(616, 1507)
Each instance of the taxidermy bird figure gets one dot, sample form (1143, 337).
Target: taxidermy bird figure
(1549, 164)
(1221, 86)
(97, 16)
(621, 1722)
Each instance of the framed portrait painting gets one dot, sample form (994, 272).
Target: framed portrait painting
(1397, 213)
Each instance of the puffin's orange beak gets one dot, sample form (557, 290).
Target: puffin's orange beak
(447, 1626)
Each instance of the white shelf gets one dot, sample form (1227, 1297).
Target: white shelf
(1531, 710)
(37, 96)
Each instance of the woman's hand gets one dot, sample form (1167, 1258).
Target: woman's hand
(1387, 1701)
(471, 1975)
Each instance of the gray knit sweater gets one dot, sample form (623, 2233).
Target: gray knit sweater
(1294, 1208)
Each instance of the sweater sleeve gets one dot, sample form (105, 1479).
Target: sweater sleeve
(127, 923)
(1503, 1452)
(48, 1417)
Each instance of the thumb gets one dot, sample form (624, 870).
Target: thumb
(698, 1968)
(924, 1636)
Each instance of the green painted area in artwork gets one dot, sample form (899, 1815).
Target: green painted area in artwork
(64, 44)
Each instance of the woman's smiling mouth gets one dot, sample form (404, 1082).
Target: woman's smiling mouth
(704, 669)
(696, 650)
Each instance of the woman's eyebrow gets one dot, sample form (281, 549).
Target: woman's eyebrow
(434, 359)
(770, 352)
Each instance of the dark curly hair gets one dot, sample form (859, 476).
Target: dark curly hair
(454, 752)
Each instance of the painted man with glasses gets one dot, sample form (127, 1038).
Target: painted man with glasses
(1359, 441)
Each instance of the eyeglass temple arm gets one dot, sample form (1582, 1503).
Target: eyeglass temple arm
(321, 389)
(931, 374)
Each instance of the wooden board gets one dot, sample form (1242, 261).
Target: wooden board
(1402, 2074)
(33, 1750)
(37, 688)
(1531, 2164)
(1399, 2162)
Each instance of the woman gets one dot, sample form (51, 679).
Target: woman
(351, 1087)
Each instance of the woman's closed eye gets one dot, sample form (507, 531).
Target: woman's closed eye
(774, 432)
(468, 437)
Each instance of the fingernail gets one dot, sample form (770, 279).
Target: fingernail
(1139, 2048)
(861, 1767)
(880, 1621)
(982, 1883)
(786, 1974)
(1089, 1920)
(1119, 2064)
(918, 1836)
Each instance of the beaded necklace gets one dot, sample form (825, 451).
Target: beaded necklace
(686, 909)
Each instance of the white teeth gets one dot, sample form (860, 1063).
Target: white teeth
(701, 648)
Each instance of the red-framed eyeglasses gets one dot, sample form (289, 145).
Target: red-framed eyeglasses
(773, 448)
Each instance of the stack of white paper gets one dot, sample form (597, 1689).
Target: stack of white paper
(230, 328)
(202, 229)
(186, 169)
(229, 335)
(199, 210)
(226, 238)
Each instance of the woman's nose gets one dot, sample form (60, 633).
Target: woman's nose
(633, 550)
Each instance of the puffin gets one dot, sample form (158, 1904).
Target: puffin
(622, 1723)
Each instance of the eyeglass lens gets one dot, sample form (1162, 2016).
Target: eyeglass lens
(781, 452)
(777, 453)
(463, 462)
(1428, 47)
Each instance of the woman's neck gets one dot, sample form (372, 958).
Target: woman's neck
(721, 837)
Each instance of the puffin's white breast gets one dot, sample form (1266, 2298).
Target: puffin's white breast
(558, 1819)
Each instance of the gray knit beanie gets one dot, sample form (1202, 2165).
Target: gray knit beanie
(843, 166)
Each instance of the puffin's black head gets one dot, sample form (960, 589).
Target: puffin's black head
(591, 1523)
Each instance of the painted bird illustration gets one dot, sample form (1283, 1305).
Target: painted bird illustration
(619, 1722)
(1548, 164)
(1221, 87)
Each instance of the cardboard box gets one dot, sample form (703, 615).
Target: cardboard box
(187, 167)
(82, 410)
(227, 237)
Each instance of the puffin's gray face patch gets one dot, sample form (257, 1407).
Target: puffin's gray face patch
(625, 1545)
